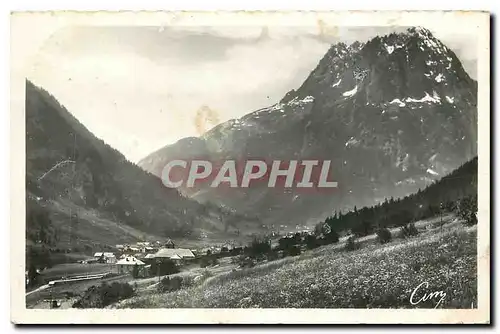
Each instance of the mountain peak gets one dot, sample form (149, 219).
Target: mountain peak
(413, 39)
(387, 62)
(389, 113)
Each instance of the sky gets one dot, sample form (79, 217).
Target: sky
(141, 88)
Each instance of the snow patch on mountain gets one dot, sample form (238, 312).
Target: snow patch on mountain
(427, 98)
(277, 106)
(296, 102)
(450, 99)
(406, 182)
(431, 171)
(439, 77)
(351, 92)
(352, 142)
(398, 101)
(337, 83)
(429, 41)
(390, 49)
(449, 62)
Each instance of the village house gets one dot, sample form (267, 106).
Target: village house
(129, 250)
(176, 258)
(207, 251)
(139, 255)
(174, 254)
(169, 244)
(226, 247)
(127, 264)
(140, 247)
(104, 257)
(149, 249)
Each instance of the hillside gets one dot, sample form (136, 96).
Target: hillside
(376, 276)
(81, 192)
(392, 114)
(440, 197)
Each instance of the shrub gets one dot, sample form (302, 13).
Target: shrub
(168, 284)
(286, 243)
(311, 241)
(208, 261)
(271, 256)
(332, 237)
(258, 248)
(362, 229)
(236, 251)
(293, 251)
(384, 235)
(322, 241)
(165, 267)
(188, 281)
(408, 231)
(467, 210)
(246, 262)
(204, 262)
(104, 295)
(351, 244)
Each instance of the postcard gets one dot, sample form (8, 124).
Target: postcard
(250, 167)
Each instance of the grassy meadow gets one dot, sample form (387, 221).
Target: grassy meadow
(374, 276)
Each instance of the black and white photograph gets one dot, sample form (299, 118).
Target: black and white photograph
(289, 161)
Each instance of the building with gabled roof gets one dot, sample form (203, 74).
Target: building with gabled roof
(181, 253)
(130, 260)
(127, 264)
(169, 244)
(105, 257)
(175, 257)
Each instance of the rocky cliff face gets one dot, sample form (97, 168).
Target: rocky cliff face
(392, 114)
